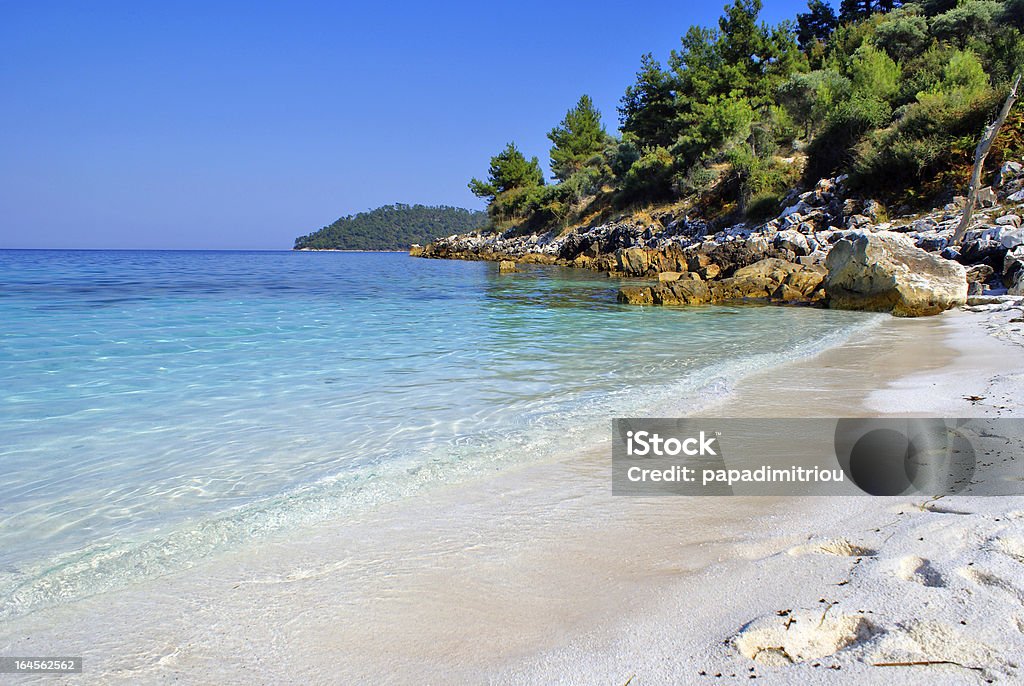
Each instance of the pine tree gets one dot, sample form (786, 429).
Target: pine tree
(509, 170)
(647, 107)
(577, 139)
(816, 25)
(743, 44)
(855, 10)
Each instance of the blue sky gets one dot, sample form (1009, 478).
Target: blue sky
(245, 124)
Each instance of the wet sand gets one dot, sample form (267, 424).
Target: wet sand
(538, 575)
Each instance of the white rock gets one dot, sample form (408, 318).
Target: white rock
(1011, 238)
(757, 244)
(798, 208)
(886, 272)
(792, 240)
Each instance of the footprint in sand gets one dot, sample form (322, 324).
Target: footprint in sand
(808, 635)
(836, 546)
(1011, 547)
(932, 641)
(919, 570)
(990, 580)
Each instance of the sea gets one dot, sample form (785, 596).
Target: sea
(160, 408)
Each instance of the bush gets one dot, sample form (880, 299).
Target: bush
(649, 179)
(832, 149)
(623, 155)
(924, 72)
(923, 142)
(761, 178)
(875, 75)
(697, 180)
(763, 206)
(517, 203)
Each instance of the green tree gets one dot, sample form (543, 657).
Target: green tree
(743, 46)
(933, 7)
(809, 98)
(510, 170)
(903, 33)
(816, 24)
(855, 10)
(646, 110)
(1013, 12)
(875, 75)
(719, 124)
(967, 20)
(697, 67)
(577, 140)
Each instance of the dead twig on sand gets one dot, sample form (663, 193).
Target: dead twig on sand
(926, 663)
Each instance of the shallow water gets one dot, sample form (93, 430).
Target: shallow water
(157, 408)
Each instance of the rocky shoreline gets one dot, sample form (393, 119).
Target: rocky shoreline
(826, 248)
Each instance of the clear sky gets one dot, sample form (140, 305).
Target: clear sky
(245, 124)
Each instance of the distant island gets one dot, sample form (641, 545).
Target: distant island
(392, 227)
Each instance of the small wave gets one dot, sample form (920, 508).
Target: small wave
(567, 426)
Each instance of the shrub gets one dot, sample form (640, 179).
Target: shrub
(832, 149)
(649, 179)
(875, 75)
(923, 141)
(763, 206)
(696, 180)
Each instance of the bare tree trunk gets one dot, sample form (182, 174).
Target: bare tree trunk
(980, 153)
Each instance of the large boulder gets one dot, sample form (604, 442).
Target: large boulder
(886, 272)
(730, 256)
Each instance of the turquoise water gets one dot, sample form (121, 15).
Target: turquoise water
(157, 408)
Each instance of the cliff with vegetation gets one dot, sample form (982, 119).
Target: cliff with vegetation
(892, 95)
(819, 161)
(392, 227)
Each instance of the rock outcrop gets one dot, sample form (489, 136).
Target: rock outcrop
(769, 279)
(886, 272)
(668, 246)
(772, 278)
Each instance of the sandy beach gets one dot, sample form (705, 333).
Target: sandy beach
(538, 575)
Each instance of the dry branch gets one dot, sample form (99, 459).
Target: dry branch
(980, 153)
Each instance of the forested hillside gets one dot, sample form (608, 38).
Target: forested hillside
(893, 94)
(392, 227)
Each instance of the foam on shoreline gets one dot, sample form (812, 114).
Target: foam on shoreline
(536, 574)
(579, 425)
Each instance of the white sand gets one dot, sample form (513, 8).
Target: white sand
(877, 582)
(538, 575)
